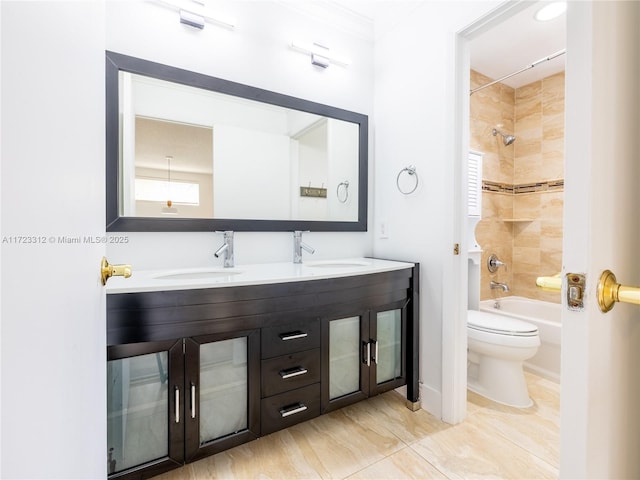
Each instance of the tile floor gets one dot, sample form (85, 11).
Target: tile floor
(381, 439)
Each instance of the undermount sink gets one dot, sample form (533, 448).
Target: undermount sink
(197, 274)
(337, 264)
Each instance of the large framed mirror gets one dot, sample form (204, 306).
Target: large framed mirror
(190, 152)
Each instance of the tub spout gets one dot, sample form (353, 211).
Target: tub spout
(497, 285)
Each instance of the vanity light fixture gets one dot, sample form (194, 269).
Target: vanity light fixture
(550, 11)
(194, 13)
(320, 55)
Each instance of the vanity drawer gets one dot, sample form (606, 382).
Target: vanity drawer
(291, 337)
(289, 372)
(282, 411)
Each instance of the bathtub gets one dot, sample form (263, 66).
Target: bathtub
(546, 316)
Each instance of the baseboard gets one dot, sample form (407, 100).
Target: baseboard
(431, 400)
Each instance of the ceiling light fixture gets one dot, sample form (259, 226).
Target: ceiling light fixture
(320, 55)
(551, 11)
(169, 209)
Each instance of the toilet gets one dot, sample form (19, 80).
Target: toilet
(497, 347)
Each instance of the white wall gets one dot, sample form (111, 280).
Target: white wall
(256, 53)
(414, 125)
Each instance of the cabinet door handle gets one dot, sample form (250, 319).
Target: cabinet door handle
(193, 400)
(375, 351)
(292, 372)
(177, 401)
(293, 335)
(366, 353)
(292, 410)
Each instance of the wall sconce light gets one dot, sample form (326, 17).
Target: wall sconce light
(194, 14)
(320, 55)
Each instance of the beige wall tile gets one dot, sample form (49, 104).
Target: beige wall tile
(526, 234)
(535, 114)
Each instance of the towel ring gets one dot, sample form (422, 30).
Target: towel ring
(344, 184)
(411, 170)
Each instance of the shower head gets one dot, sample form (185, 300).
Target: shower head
(506, 139)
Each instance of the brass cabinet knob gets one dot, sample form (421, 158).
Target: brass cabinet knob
(610, 292)
(107, 271)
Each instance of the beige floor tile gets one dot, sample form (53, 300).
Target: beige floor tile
(389, 411)
(469, 450)
(404, 464)
(381, 439)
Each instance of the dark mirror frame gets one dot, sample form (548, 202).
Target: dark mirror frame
(116, 62)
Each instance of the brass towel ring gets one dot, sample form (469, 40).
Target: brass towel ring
(411, 170)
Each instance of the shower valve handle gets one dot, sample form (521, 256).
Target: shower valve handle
(493, 263)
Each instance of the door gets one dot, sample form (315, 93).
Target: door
(346, 357)
(600, 390)
(388, 348)
(53, 305)
(222, 392)
(145, 408)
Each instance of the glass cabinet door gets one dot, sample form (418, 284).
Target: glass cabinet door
(224, 386)
(388, 349)
(345, 361)
(221, 410)
(141, 406)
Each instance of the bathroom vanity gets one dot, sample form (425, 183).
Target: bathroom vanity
(202, 360)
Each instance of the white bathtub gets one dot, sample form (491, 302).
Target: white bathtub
(546, 316)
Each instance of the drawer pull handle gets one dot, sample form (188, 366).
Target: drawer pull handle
(292, 372)
(293, 335)
(292, 410)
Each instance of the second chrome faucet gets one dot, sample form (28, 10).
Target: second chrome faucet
(298, 246)
(226, 249)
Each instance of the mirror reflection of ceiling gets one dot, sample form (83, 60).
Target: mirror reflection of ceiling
(190, 146)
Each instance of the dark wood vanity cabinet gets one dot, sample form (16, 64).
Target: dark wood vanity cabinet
(195, 372)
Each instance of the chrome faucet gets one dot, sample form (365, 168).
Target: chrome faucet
(298, 245)
(496, 285)
(226, 249)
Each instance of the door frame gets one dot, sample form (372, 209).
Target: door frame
(455, 273)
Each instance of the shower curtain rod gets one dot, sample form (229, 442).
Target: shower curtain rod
(537, 62)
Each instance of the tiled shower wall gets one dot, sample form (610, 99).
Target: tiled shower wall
(522, 195)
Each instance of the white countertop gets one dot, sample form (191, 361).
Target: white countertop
(241, 275)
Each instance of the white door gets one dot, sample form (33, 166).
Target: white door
(600, 392)
(53, 305)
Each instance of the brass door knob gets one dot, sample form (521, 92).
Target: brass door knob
(610, 292)
(107, 271)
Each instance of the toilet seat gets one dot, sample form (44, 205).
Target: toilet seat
(500, 325)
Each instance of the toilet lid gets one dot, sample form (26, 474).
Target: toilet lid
(500, 324)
